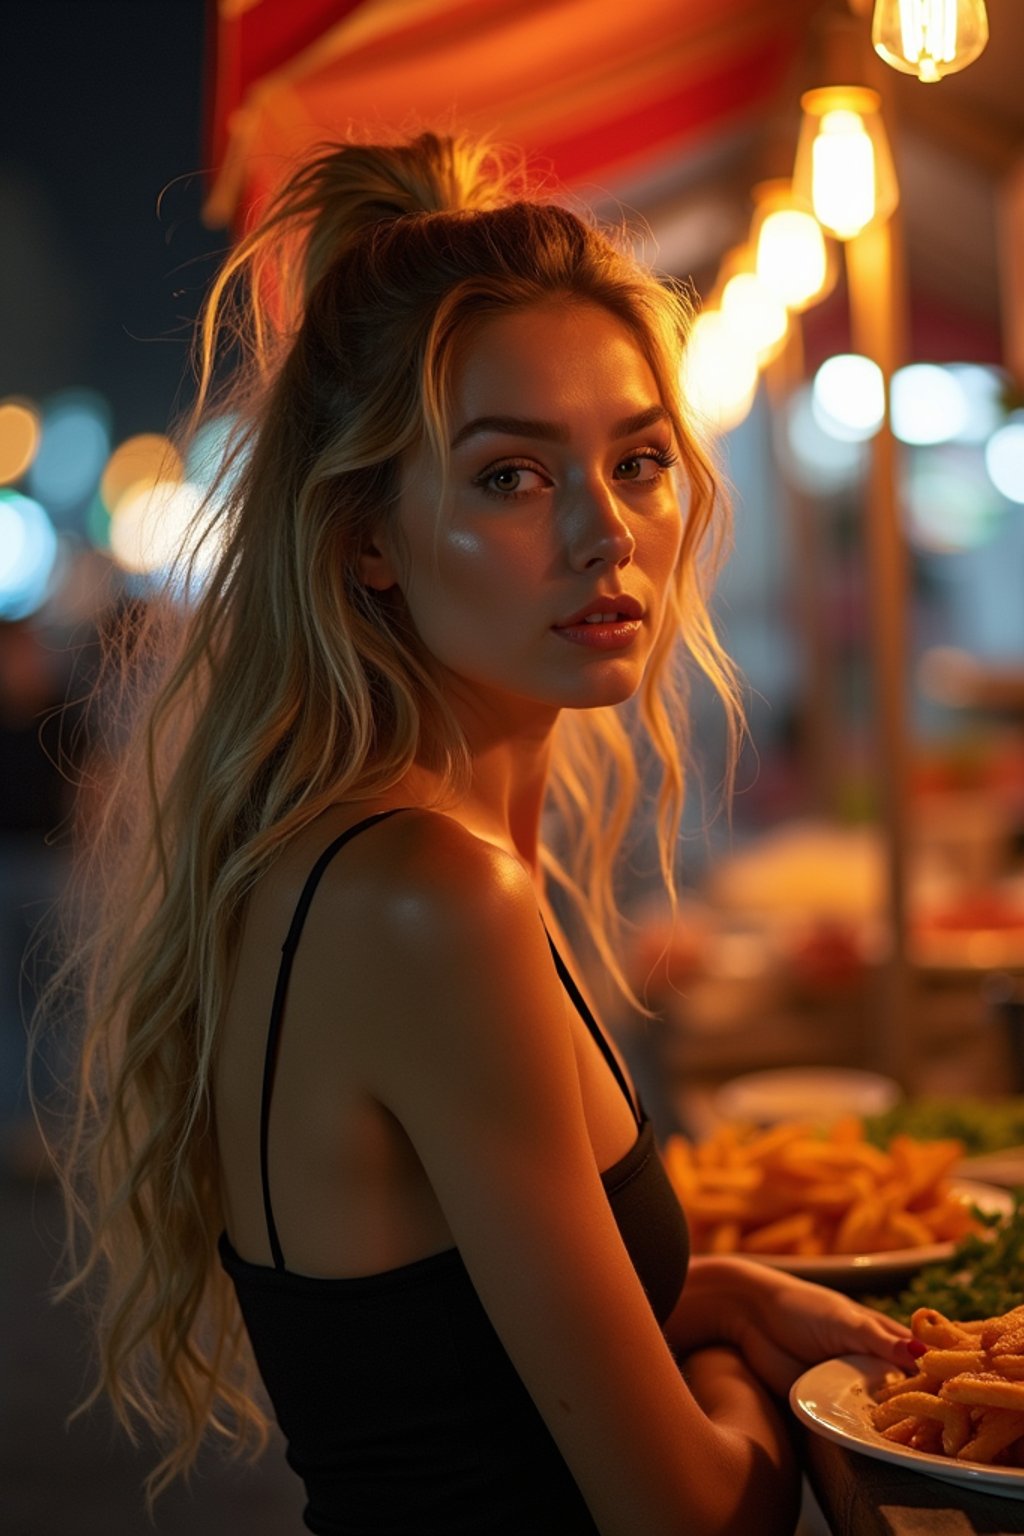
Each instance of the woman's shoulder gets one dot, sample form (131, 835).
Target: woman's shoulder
(423, 875)
(433, 928)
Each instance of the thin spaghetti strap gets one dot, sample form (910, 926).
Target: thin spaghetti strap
(288, 949)
(594, 1027)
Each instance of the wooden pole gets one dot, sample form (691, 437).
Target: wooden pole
(876, 283)
(1011, 268)
(877, 323)
(819, 714)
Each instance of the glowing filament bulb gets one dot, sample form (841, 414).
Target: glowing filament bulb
(929, 38)
(791, 257)
(843, 174)
(719, 374)
(756, 313)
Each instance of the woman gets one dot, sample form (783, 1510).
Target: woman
(338, 1078)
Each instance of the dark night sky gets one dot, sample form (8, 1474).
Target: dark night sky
(101, 111)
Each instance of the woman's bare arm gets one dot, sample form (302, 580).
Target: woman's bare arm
(779, 1324)
(469, 1045)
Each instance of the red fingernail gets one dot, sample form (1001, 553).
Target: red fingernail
(916, 1348)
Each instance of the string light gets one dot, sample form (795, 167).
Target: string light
(929, 38)
(719, 374)
(792, 258)
(843, 166)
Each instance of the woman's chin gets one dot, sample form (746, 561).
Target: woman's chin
(615, 686)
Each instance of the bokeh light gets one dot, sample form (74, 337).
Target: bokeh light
(72, 450)
(28, 549)
(207, 452)
(97, 523)
(158, 532)
(757, 313)
(20, 431)
(146, 460)
(791, 256)
(927, 404)
(982, 390)
(1004, 459)
(948, 505)
(815, 461)
(849, 397)
(719, 373)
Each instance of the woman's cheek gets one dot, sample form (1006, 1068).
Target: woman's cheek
(494, 558)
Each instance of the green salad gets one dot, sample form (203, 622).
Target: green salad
(983, 1125)
(984, 1276)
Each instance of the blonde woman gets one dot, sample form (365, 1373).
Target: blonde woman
(342, 1098)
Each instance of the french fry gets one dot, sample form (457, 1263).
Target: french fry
(859, 1227)
(1009, 1342)
(985, 1389)
(994, 1432)
(908, 1231)
(900, 1433)
(918, 1383)
(931, 1328)
(944, 1363)
(779, 1236)
(966, 1400)
(927, 1436)
(789, 1191)
(910, 1405)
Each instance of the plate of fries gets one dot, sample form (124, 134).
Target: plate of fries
(830, 1207)
(960, 1417)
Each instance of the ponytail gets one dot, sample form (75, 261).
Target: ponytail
(332, 202)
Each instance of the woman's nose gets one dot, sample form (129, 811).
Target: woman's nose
(600, 534)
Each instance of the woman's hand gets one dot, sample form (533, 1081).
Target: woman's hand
(782, 1325)
(792, 1324)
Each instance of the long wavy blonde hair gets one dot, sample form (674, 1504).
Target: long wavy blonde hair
(283, 686)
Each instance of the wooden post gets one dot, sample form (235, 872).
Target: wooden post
(878, 328)
(819, 722)
(877, 323)
(1011, 268)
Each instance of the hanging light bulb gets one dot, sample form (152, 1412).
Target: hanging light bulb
(749, 306)
(792, 258)
(719, 373)
(843, 165)
(753, 309)
(929, 38)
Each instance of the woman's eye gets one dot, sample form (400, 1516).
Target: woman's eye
(512, 480)
(639, 467)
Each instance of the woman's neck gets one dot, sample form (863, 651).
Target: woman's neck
(505, 799)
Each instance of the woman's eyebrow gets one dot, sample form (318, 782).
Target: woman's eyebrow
(553, 431)
(640, 422)
(512, 426)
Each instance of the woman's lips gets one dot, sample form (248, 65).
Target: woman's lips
(605, 635)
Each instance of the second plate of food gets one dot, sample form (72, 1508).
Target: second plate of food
(841, 1269)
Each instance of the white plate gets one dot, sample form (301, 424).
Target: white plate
(1004, 1167)
(877, 1268)
(834, 1399)
(816, 1095)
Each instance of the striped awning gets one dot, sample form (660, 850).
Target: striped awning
(605, 91)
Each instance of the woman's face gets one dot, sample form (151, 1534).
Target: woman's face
(560, 508)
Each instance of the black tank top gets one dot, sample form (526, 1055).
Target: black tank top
(404, 1415)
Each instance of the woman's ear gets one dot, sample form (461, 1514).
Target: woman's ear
(376, 568)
